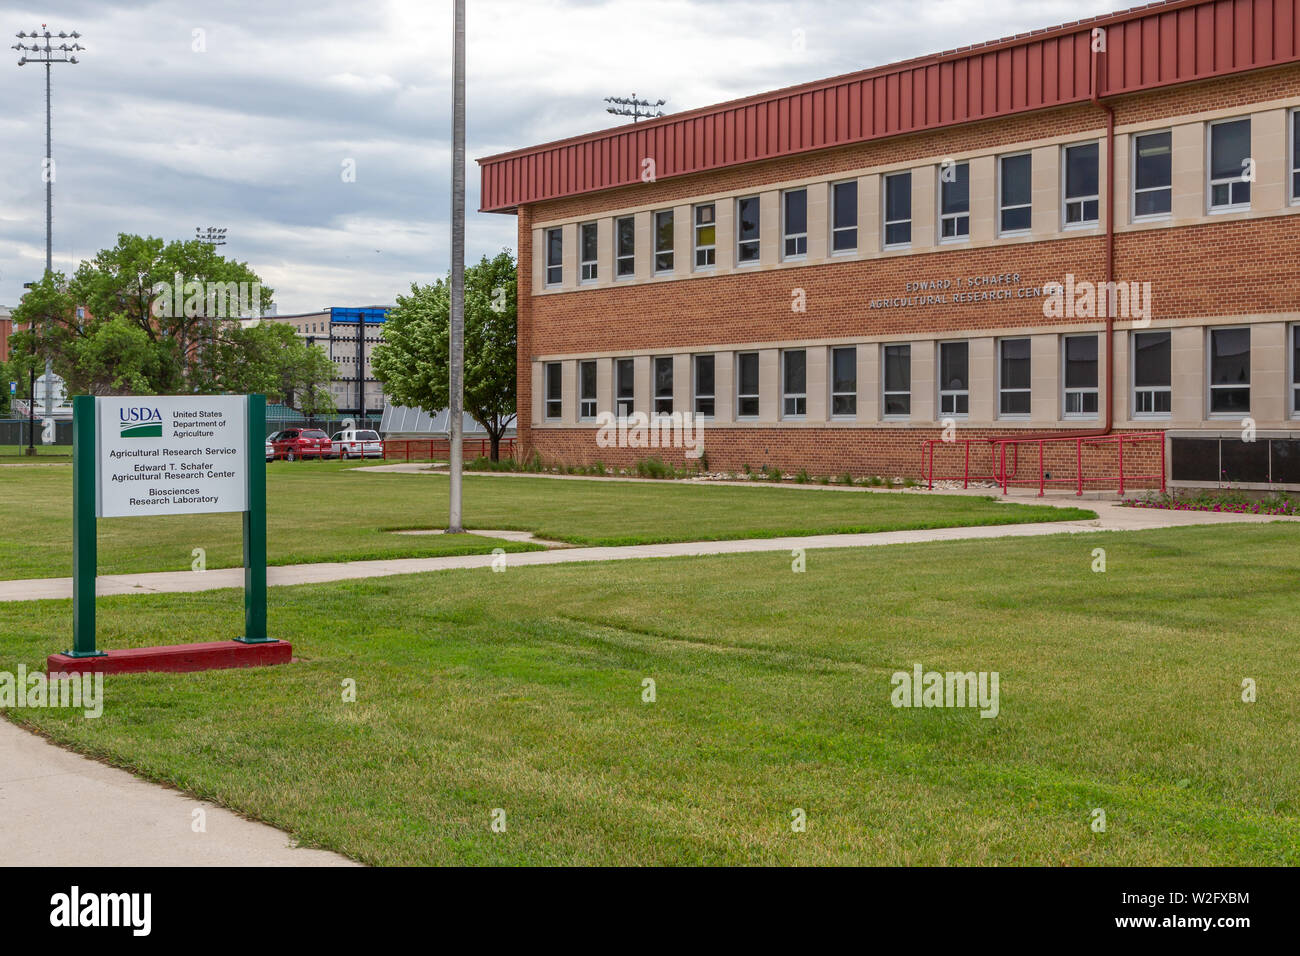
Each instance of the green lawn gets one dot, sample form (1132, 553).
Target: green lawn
(18, 453)
(522, 691)
(330, 512)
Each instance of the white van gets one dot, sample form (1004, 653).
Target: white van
(358, 443)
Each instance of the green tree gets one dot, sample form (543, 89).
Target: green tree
(149, 317)
(412, 360)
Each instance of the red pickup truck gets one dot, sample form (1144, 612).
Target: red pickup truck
(294, 443)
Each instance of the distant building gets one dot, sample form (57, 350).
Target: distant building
(349, 337)
(6, 329)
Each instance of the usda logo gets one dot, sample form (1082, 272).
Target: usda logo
(140, 422)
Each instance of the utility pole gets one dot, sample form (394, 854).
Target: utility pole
(631, 106)
(456, 397)
(41, 49)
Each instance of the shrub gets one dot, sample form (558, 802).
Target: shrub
(654, 468)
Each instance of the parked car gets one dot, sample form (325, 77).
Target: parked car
(294, 443)
(270, 447)
(358, 443)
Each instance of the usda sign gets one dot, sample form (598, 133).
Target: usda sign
(171, 455)
(166, 455)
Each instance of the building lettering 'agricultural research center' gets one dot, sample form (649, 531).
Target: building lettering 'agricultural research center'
(831, 271)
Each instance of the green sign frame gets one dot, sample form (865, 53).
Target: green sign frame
(85, 538)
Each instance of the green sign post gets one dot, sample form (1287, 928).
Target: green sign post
(180, 461)
(85, 541)
(255, 530)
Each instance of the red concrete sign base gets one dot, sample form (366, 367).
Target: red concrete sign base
(175, 658)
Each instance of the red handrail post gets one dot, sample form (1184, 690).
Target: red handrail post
(1162, 463)
(1078, 464)
(1041, 473)
(1121, 465)
(965, 471)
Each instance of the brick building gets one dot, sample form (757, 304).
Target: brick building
(836, 271)
(6, 330)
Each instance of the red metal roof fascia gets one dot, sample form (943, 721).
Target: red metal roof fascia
(1159, 45)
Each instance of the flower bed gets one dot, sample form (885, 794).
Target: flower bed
(1276, 505)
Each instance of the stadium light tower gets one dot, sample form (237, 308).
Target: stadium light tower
(212, 235)
(631, 106)
(38, 47)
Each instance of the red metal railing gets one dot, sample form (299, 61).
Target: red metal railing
(1118, 439)
(966, 477)
(1095, 472)
(435, 449)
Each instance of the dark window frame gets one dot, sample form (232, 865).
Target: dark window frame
(553, 391)
(624, 258)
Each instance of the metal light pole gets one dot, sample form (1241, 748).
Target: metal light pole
(41, 49)
(456, 398)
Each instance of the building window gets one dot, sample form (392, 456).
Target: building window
(1229, 371)
(706, 236)
(1015, 194)
(625, 253)
(954, 378)
(1295, 156)
(794, 212)
(587, 247)
(586, 389)
(747, 230)
(1152, 395)
(844, 216)
(664, 241)
(1153, 175)
(1295, 370)
(844, 382)
(554, 390)
(1080, 357)
(898, 381)
(664, 385)
(898, 209)
(747, 385)
(1013, 378)
(1229, 162)
(624, 388)
(1081, 189)
(554, 256)
(704, 385)
(954, 201)
(794, 383)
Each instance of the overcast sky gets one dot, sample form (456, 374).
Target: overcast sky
(243, 113)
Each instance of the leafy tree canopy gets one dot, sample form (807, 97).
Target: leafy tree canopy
(413, 360)
(154, 317)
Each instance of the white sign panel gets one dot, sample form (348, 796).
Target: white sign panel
(171, 454)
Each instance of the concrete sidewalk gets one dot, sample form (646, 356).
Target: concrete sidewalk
(1111, 517)
(62, 809)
